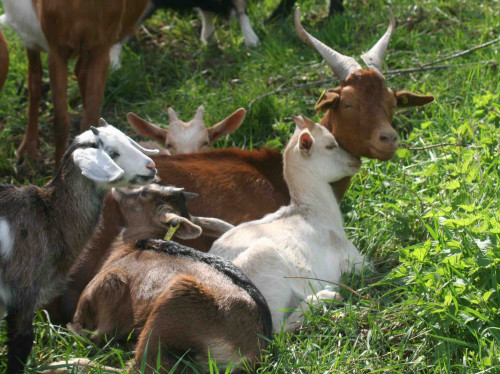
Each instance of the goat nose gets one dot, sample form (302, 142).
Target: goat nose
(389, 137)
(151, 165)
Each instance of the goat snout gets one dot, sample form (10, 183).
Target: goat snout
(151, 165)
(389, 137)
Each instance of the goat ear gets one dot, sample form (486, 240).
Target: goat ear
(96, 165)
(328, 99)
(147, 129)
(226, 126)
(186, 230)
(303, 123)
(305, 142)
(212, 227)
(172, 116)
(408, 99)
(117, 194)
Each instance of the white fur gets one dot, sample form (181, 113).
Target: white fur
(6, 239)
(114, 56)
(21, 16)
(251, 39)
(5, 295)
(129, 163)
(304, 239)
(207, 27)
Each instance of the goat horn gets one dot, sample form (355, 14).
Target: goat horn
(374, 57)
(172, 116)
(341, 65)
(146, 151)
(199, 113)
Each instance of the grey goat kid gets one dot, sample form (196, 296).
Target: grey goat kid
(43, 230)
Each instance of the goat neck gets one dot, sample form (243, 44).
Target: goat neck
(314, 197)
(75, 207)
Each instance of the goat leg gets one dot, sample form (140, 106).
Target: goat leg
(58, 69)
(29, 146)
(20, 337)
(93, 71)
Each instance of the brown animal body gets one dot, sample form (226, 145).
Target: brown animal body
(4, 59)
(68, 29)
(239, 185)
(169, 294)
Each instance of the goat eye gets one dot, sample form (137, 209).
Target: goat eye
(169, 146)
(347, 106)
(113, 154)
(331, 146)
(205, 144)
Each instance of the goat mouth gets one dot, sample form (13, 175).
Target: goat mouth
(144, 179)
(383, 154)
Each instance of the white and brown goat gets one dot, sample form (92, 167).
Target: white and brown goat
(43, 230)
(304, 240)
(67, 29)
(172, 297)
(187, 137)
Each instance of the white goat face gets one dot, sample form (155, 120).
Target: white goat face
(112, 158)
(315, 148)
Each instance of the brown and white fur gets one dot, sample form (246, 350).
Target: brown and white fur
(170, 295)
(304, 239)
(66, 29)
(43, 230)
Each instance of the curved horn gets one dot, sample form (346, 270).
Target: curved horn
(341, 65)
(374, 57)
(146, 151)
(172, 116)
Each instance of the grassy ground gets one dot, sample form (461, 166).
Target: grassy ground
(430, 218)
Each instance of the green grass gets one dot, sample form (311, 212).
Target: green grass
(430, 218)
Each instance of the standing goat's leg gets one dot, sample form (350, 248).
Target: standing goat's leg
(251, 39)
(58, 69)
(20, 337)
(284, 9)
(207, 27)
(29, 146)
(95, 70)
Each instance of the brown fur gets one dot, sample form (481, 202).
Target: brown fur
(178, 302)
(76, 28)
(4, 59)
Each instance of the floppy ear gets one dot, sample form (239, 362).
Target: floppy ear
(408, 99)
(96, 165)
(328, 100)
(212, 227)
(306, 142)
(226, 126)
(147, 129)
(186, 230)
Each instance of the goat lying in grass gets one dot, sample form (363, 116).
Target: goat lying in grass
(43, 230)
(303, 239)
(171, 295)
(187, 137)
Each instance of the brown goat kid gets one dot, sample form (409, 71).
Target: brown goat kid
(239, 185)
(67, 29)
(171, 295)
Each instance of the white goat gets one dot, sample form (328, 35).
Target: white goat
(43, 230)
(187, 137)
(304, 239)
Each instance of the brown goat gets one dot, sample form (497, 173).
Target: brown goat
(239, 185)
(4, 59)
(169, 294)
(67, 29)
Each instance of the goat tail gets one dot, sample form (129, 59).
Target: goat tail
(77, 365)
